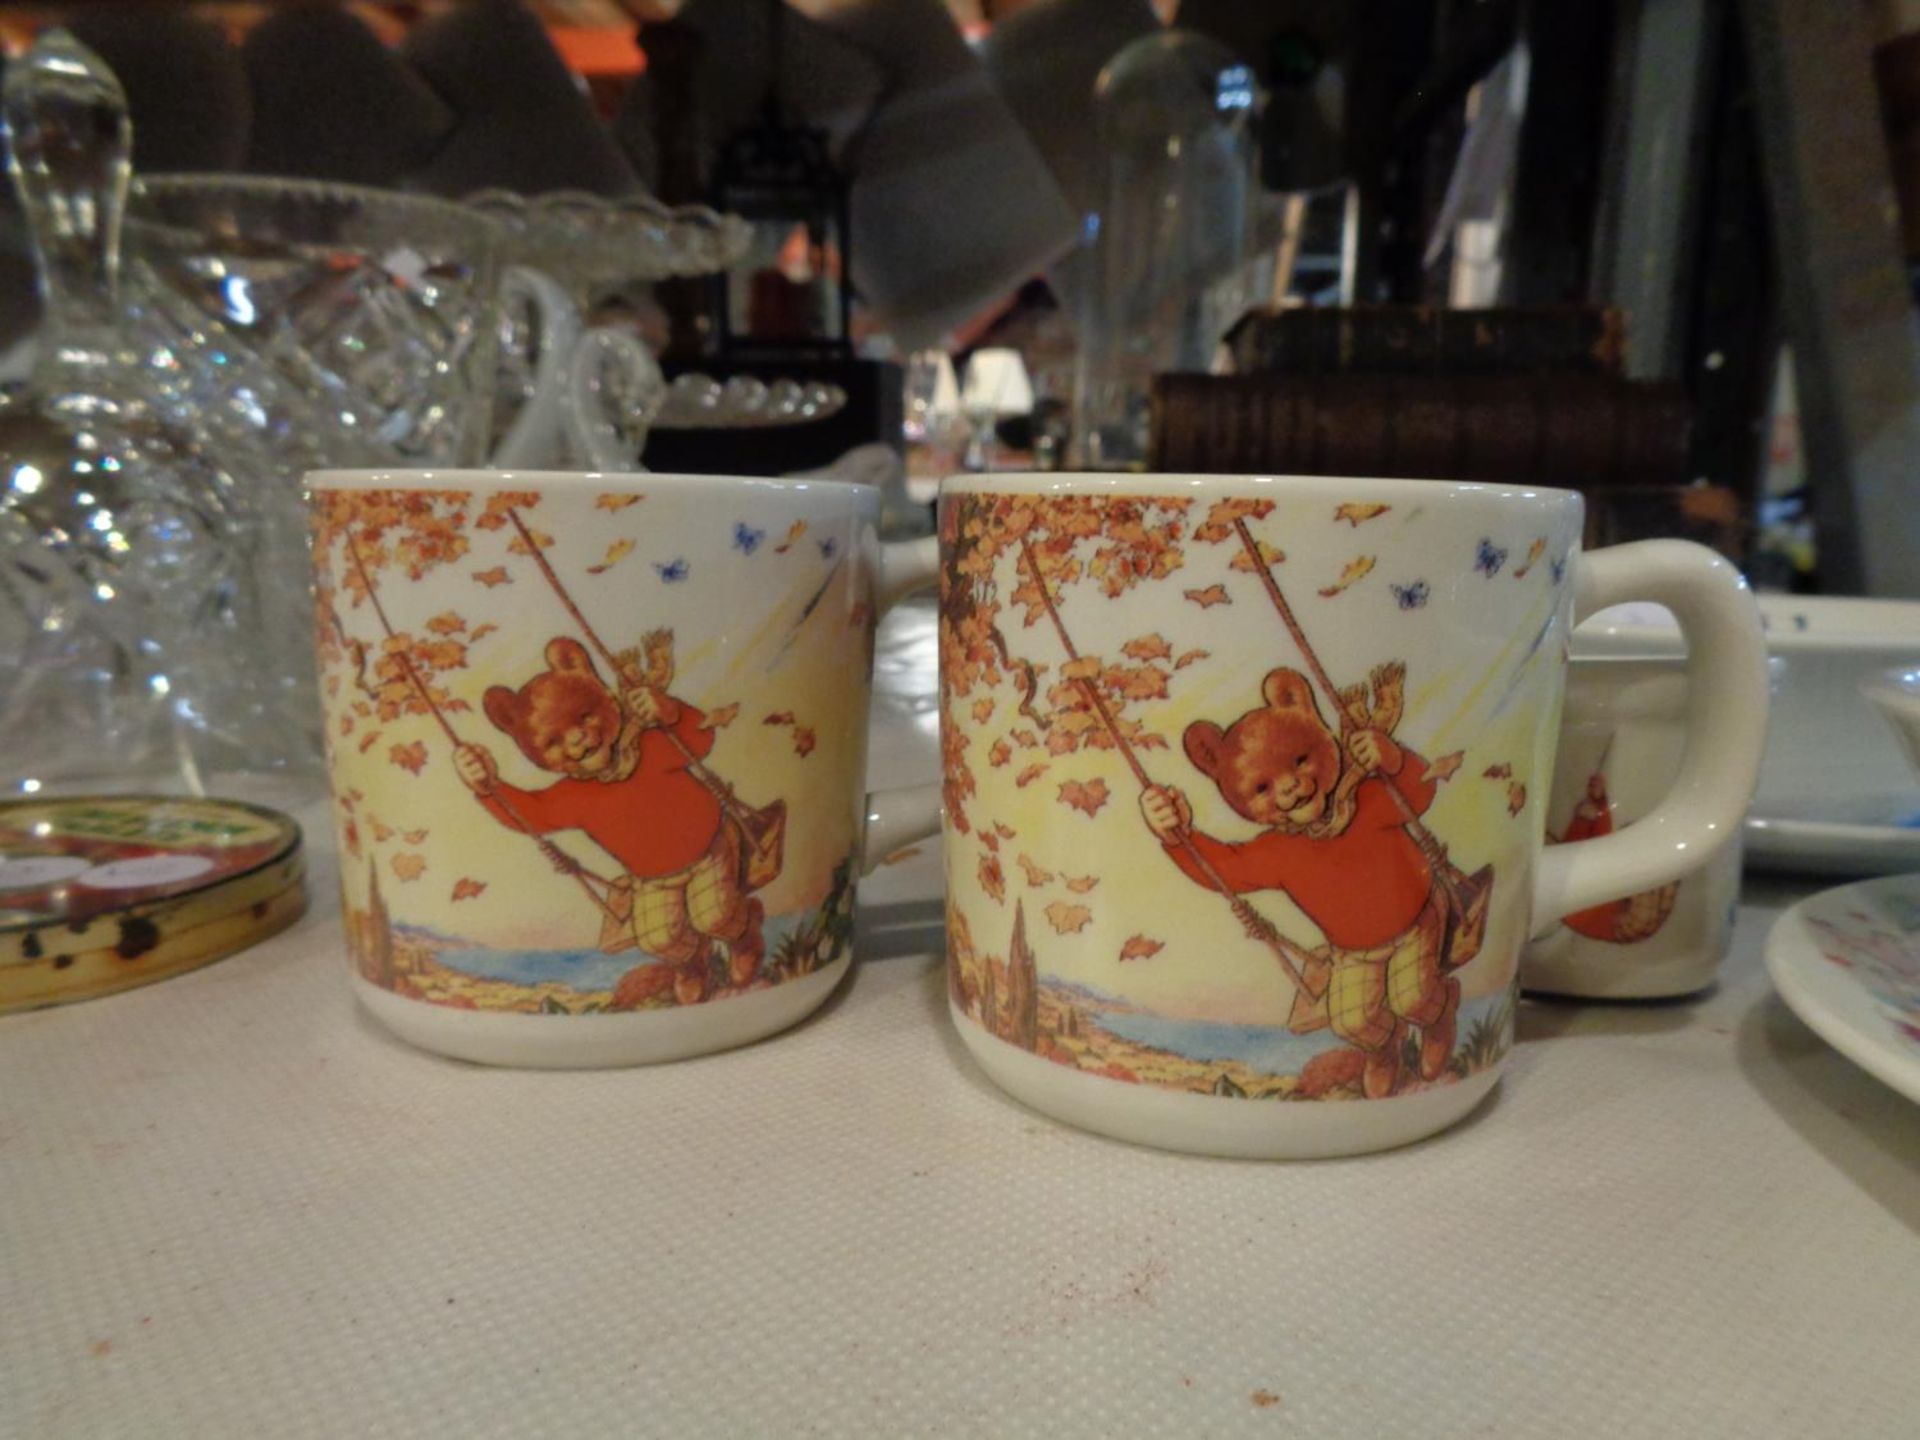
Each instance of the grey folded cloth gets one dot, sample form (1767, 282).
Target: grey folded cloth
(521, 121)
(330, 102)
(186, 88)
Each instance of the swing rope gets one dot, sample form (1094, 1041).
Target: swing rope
(721, 790)
(555, 855)
(1431, 848)
(1294, 961)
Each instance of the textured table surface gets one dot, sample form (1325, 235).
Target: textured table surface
(233, 1206)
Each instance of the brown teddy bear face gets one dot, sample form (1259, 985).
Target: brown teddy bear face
(1277, 765)
(564, 720)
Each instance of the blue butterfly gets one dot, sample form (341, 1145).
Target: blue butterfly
(828, 548)
(1558, 567)
(745, 538)
(1410, 597)
(1489, 557)
(673, 572)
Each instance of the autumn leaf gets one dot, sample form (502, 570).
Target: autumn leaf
(1188, 657)
(1068, 919)
(720, 716)
(1087, 667)
(794, 532)
(352, 841)
(1085, 796)
(1516, 797)
(1502, 771)
(1037, 874)
(346, 725)
(993, 879)
(616, 502)
(446, 623)
(518, 545)
(467, 889)
(367, 740)
(802, 741)
(381, 832)
(616, 552)
(415, 837)
(982, 711)
(1147, 647)
(1027, 776)
(779, 717)
(1003, 830)
(496, 576)
(1137, 682)
(1219, 522)
(1139, 947)
(481, 633)
(1443, 768)
(1082, 884)
(1270, 556)
(999, 754)
(1357, 569)
(412, 758)
(409, 866)
(1357, 512)
(1534, 552)
(1206, 599)
(1024, 736)
(990, 840)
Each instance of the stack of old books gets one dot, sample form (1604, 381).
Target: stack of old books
(1525, 395)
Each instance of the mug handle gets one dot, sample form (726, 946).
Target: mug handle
(911, 812)
(1726, 726)
(532, 441)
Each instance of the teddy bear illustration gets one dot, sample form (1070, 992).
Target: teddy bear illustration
(1618, 922)
(626, 785)
(1336, 843)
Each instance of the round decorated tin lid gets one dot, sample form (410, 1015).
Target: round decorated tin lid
(100, 893)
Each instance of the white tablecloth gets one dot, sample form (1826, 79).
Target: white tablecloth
(234, 1206)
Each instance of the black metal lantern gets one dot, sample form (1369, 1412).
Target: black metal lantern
(788, 296)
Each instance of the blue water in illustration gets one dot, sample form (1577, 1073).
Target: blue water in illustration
(1270, 1049)
(584, 970)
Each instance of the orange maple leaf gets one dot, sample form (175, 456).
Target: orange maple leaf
(1502, 771)
(1516, 797)
(1027, 776)
(794, 532)
(1085, 796)
(1188, 657)
(381, 832)
(367, 740)
(409, 866)
(518, 545)
(1219, 522)
(467, 889)
(1534, 552)
(1087, 667)
(414, 837)
(1036, 873)
(1209, 597)
(1357, 569)
(1443, 767)
(446, 623)
(802, 741)
(1081, 884)
(482, 632)
(779, 717)
(1354, 512)
(1139, 947)
(993, 879)
(982, 711)
(1068, 919)
(720, 716)
(412, 757)
(1024, 736)
(990, 840)
(616, 502)
(1147, 647)
(999, 754)
(496, 576)
(1003, 830)
(1270, 556)
(616, 552)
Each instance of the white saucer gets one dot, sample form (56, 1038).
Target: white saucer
(1862, 835)
(1847, 961)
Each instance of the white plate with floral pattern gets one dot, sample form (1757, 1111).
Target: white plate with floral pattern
(1847, 961)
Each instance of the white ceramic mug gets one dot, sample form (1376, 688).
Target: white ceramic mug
(1244, 781)
(596, 745)
(1622, 734)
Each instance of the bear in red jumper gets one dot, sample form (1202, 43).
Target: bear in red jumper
(627, 785)
(1336, 843)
